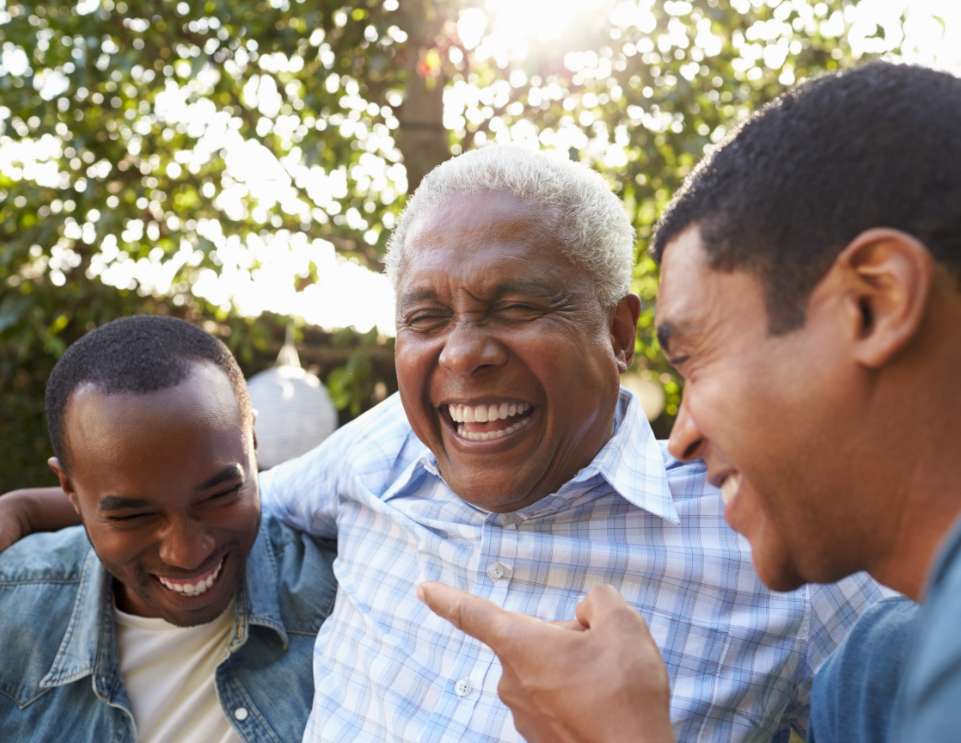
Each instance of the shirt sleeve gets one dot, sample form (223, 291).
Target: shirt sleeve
(833, 608)
(857, 689)
(932, 693)
(303, 492)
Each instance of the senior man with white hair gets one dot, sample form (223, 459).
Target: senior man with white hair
(511, 465)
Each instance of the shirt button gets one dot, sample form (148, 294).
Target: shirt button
(240, 714)
(505, 519)
(497, 571)
(462, 688)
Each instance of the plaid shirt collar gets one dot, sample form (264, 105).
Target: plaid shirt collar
(630, 462)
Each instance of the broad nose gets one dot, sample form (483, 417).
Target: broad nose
(687, 441)
(469, 348)
(186, 544)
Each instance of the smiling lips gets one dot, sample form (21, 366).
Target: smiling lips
(490, 421)
(194, 586)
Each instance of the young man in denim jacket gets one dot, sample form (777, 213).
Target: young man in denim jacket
(179, 615)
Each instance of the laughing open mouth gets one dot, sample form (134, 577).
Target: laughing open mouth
(194, 586)
(490, 421)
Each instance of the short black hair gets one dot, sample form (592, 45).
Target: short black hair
(138, 354)
(875, 146)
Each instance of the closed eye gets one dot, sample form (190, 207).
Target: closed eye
(225, 493)
(519, 310)
(132, 517)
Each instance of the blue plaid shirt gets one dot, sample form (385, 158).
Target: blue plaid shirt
(741, 659)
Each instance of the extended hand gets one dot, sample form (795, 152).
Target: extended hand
(598, 680)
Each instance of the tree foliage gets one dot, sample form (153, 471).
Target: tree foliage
(147, 148)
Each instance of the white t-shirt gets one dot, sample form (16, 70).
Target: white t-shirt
(168, 672)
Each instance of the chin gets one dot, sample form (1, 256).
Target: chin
(483, 483)
(777, 574)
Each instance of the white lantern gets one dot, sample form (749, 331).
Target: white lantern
(294, 412)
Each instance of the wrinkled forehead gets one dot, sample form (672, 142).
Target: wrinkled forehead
(485, 239)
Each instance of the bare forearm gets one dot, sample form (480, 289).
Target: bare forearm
(30, 510)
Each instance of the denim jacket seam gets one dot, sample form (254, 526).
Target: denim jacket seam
(277, 624)
(23, 704)
(4, 583)
(55, 676)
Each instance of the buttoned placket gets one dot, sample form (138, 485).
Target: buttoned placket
(493, 568)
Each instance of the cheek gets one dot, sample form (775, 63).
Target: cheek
(413, 361)
(121, 550)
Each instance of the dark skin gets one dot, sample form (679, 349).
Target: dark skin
(866, 389)
(490, 312)
(165, 485)
(861, 402)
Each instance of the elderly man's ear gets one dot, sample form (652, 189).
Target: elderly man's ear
(623, 324)
(886, 277)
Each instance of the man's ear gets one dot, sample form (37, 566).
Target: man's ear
(623, 325)
(889, 276)
(65, 483)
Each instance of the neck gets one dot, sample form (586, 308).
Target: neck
(922, 419)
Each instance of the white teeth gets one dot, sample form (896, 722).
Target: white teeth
(192, 589)
(730, 486)
(486, 436)
(486, 413)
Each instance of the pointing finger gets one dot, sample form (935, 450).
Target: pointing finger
(477, 617)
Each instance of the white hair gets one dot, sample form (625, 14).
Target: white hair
(591, 225)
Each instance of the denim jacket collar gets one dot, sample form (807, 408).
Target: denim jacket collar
(89, 646)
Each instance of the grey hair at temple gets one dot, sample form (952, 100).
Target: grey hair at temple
(591, 225)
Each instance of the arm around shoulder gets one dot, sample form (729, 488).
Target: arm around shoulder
(24, 512)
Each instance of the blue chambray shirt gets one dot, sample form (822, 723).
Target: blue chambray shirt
(59, 666)
(741, 659)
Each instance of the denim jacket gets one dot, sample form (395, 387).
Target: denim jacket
(59, 665)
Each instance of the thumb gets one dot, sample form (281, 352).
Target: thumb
(477, 617)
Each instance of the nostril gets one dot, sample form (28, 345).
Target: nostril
(691, 451)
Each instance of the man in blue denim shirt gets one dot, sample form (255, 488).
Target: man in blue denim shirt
(183, 616)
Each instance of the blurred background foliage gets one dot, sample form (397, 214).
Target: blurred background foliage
(153, 152)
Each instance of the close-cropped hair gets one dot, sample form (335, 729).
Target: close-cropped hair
(591, 227)
(138, 355)
(875, 146)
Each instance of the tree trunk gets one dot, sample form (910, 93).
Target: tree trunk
(421, 137)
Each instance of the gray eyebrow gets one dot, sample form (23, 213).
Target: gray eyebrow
(498, 291)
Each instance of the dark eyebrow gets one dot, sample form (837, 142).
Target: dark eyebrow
(230, 472)
(116, 502)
